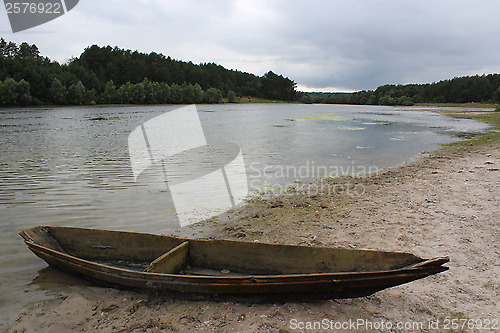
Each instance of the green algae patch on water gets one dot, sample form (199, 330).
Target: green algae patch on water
(351, 128)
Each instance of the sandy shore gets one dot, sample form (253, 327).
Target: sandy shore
(445, 204)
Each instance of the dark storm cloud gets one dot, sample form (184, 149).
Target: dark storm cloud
(345, 45)
(368, 43)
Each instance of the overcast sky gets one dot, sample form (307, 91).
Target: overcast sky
(329, 45)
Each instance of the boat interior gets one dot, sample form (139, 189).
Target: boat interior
(171, 255)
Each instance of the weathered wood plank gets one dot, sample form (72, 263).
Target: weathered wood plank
(171, 262)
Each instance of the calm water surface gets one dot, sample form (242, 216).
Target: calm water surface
(70, 166)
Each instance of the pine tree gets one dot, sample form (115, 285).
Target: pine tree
(77, 94)
(212, 96)
(10, 94)
(23, 93)
(110, 95)
(57, 92)
(231, 97)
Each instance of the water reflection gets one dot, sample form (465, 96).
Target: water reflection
(51, 279)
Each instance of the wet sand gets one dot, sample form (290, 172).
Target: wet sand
(445, 204)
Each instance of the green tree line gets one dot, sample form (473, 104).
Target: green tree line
(118, 76)
(467, 89)
(108, 75)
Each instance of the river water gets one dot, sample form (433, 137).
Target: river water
(71, 166)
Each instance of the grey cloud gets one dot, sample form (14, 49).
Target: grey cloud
(319, 43)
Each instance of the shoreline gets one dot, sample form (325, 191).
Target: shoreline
(257, 100)
(443, 204)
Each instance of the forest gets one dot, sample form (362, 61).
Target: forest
(111, 75)
(106, 75)
(466, 89)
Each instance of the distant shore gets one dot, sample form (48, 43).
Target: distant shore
(443, 204)
(258, 100)
(460, 105)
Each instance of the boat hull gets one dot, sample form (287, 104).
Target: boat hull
(308, 285)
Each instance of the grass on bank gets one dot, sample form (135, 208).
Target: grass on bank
(493, 137)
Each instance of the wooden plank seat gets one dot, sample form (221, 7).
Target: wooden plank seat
(172, 262)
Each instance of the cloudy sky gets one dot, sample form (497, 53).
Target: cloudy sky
(326, 45)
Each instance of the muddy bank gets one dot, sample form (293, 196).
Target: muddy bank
(445, 204)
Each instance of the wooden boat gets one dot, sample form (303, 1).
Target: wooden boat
(223, 267)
